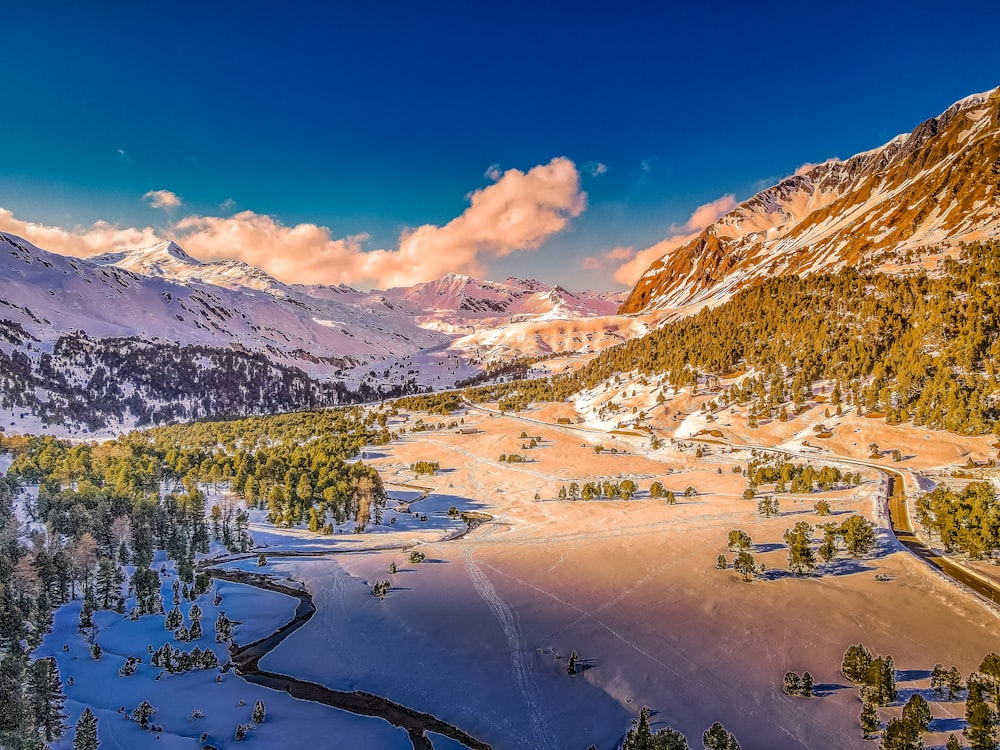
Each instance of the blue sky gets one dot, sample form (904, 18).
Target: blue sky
(370, 120)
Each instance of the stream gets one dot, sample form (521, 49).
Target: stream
(246, 659)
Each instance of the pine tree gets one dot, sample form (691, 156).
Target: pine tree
(792, 684)
(807, 685)
(901, 735)
(801, 558)
(86, 732)
(857, 661)
(87, 611)
(108, 584)
(143, 713)
(869, 719)
(47, 698)
(981, 731)
(223, 628)
(173, 620)
(917, 713)
(717, 738)
(990, 669)
(257, 717)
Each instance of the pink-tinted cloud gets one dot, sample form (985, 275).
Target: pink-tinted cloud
(708, 213)
(519, 211)
(629, 263)
(101, 237)
(162, 199)
(304, 253)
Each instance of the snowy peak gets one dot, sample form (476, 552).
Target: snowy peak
(162, 259)
(888, 207)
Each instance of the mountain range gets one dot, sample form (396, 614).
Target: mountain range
(153, 334)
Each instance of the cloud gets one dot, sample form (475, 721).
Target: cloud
(101, 237)
(519, 211)
(228, 204)
(708, 213)
(631, 263)
(162, 199)
(595, 168)
(122, 155)
(493, 172)
(646, 165)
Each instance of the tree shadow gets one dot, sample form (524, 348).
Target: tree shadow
(776, 574)
(947, 725)
(826, 689)
(845, 567)
(909, 675)
(768, 547)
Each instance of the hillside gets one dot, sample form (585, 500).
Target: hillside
(932, 188)
(907, 348)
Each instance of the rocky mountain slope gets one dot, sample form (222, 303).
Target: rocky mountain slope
(937, 186)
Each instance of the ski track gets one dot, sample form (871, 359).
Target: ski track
(542, 736)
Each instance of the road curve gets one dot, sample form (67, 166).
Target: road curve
(899, 516)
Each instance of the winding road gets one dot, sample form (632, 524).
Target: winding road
(899, 516)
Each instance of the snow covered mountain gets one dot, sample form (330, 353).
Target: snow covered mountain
(161, 293)
(890, 207)
(460, 304)
(154, 335)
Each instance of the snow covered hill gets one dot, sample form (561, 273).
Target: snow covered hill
(886, 208)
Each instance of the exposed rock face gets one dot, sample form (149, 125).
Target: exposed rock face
(936, 186)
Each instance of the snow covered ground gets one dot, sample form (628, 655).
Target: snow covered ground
(479, 633)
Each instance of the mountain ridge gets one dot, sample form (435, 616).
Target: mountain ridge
(935, 185)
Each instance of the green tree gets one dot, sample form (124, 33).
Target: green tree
(745, 565)
(641, 737)
(981, 719)
(143, 713)
(901, 735)
(807, 685)
(869, 719)
(739, 540)
(856, 664)
(768, 507)
(792, 684)
(990, 669)
(47, 698)
(917, 713)
(223, 628)
(716, 737)
(859, 535)
(86, 732)
(801, 558)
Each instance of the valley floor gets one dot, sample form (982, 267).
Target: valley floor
(480, 632)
